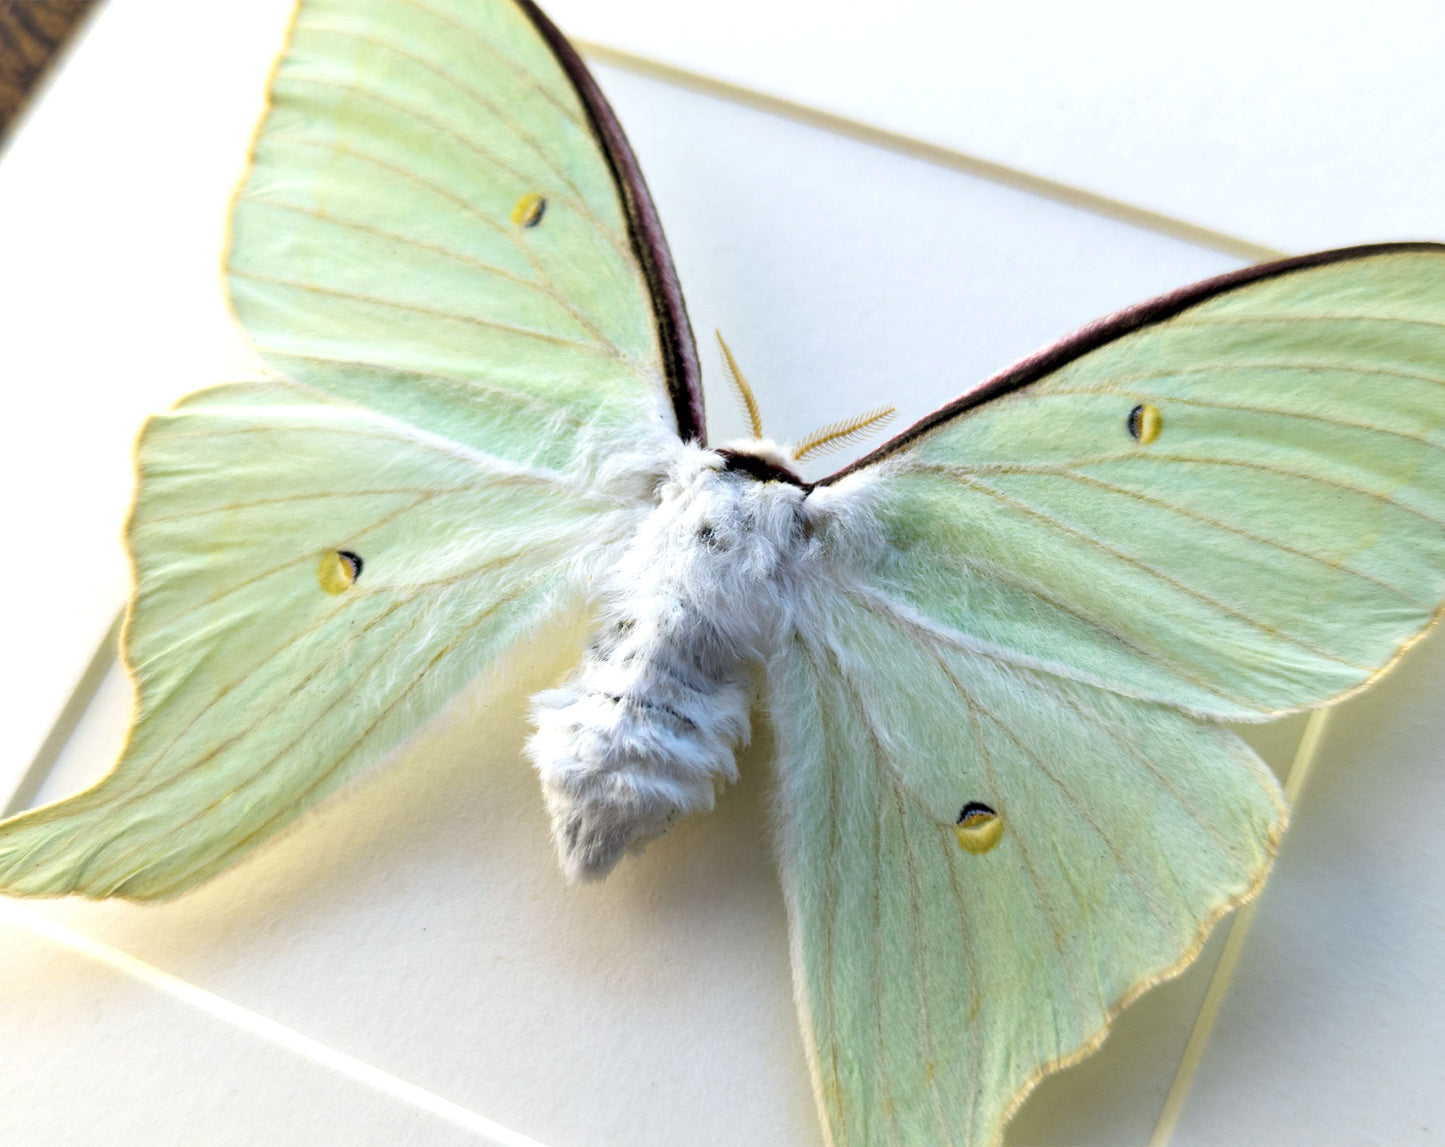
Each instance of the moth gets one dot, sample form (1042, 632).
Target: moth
(996, 651)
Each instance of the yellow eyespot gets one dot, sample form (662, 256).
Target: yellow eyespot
(529, 210)
(979, 828)
(337, 570)
(1145, 423)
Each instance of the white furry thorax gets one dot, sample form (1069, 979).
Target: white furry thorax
(645, 730)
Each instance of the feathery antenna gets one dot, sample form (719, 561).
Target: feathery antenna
(741, 388)
(836, 434)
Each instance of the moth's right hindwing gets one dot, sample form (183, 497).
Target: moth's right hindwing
(942, 974)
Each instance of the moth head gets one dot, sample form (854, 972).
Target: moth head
(760, 458)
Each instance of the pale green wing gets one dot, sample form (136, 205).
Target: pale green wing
(1277, 544)
(937, 985)
(444, 240)
(443, 223)
(268, 675)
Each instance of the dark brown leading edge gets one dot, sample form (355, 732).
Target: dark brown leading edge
(674, 332)
(1106, 330)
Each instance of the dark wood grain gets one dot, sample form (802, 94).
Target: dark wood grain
(31, 32)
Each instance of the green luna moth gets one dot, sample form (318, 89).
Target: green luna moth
(995, 651)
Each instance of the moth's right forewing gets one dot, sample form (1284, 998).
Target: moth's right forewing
(1271, 540)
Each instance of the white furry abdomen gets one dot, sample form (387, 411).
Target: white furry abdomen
(646, 728)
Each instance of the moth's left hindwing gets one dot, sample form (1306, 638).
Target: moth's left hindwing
(311, 584)
(1006, 812)
(444, 243)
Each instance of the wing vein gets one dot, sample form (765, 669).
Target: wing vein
(1046, 909)
(323, 711)
(1218, 523)
(506, 61)
(875, 601)
(408, 176)
(970, 958)
(361, 738)
(475, 147)
(875, 965)
(1079, 808)
(546, 290)
(227, 743)
(524, 400)
(499, 112)
(920, 964)
(1145, 568)
(1125, 383)
(961, 470)
(429, 312)
(1300, 320)
(829, 921)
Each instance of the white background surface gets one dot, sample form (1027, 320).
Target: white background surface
(418, 925)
